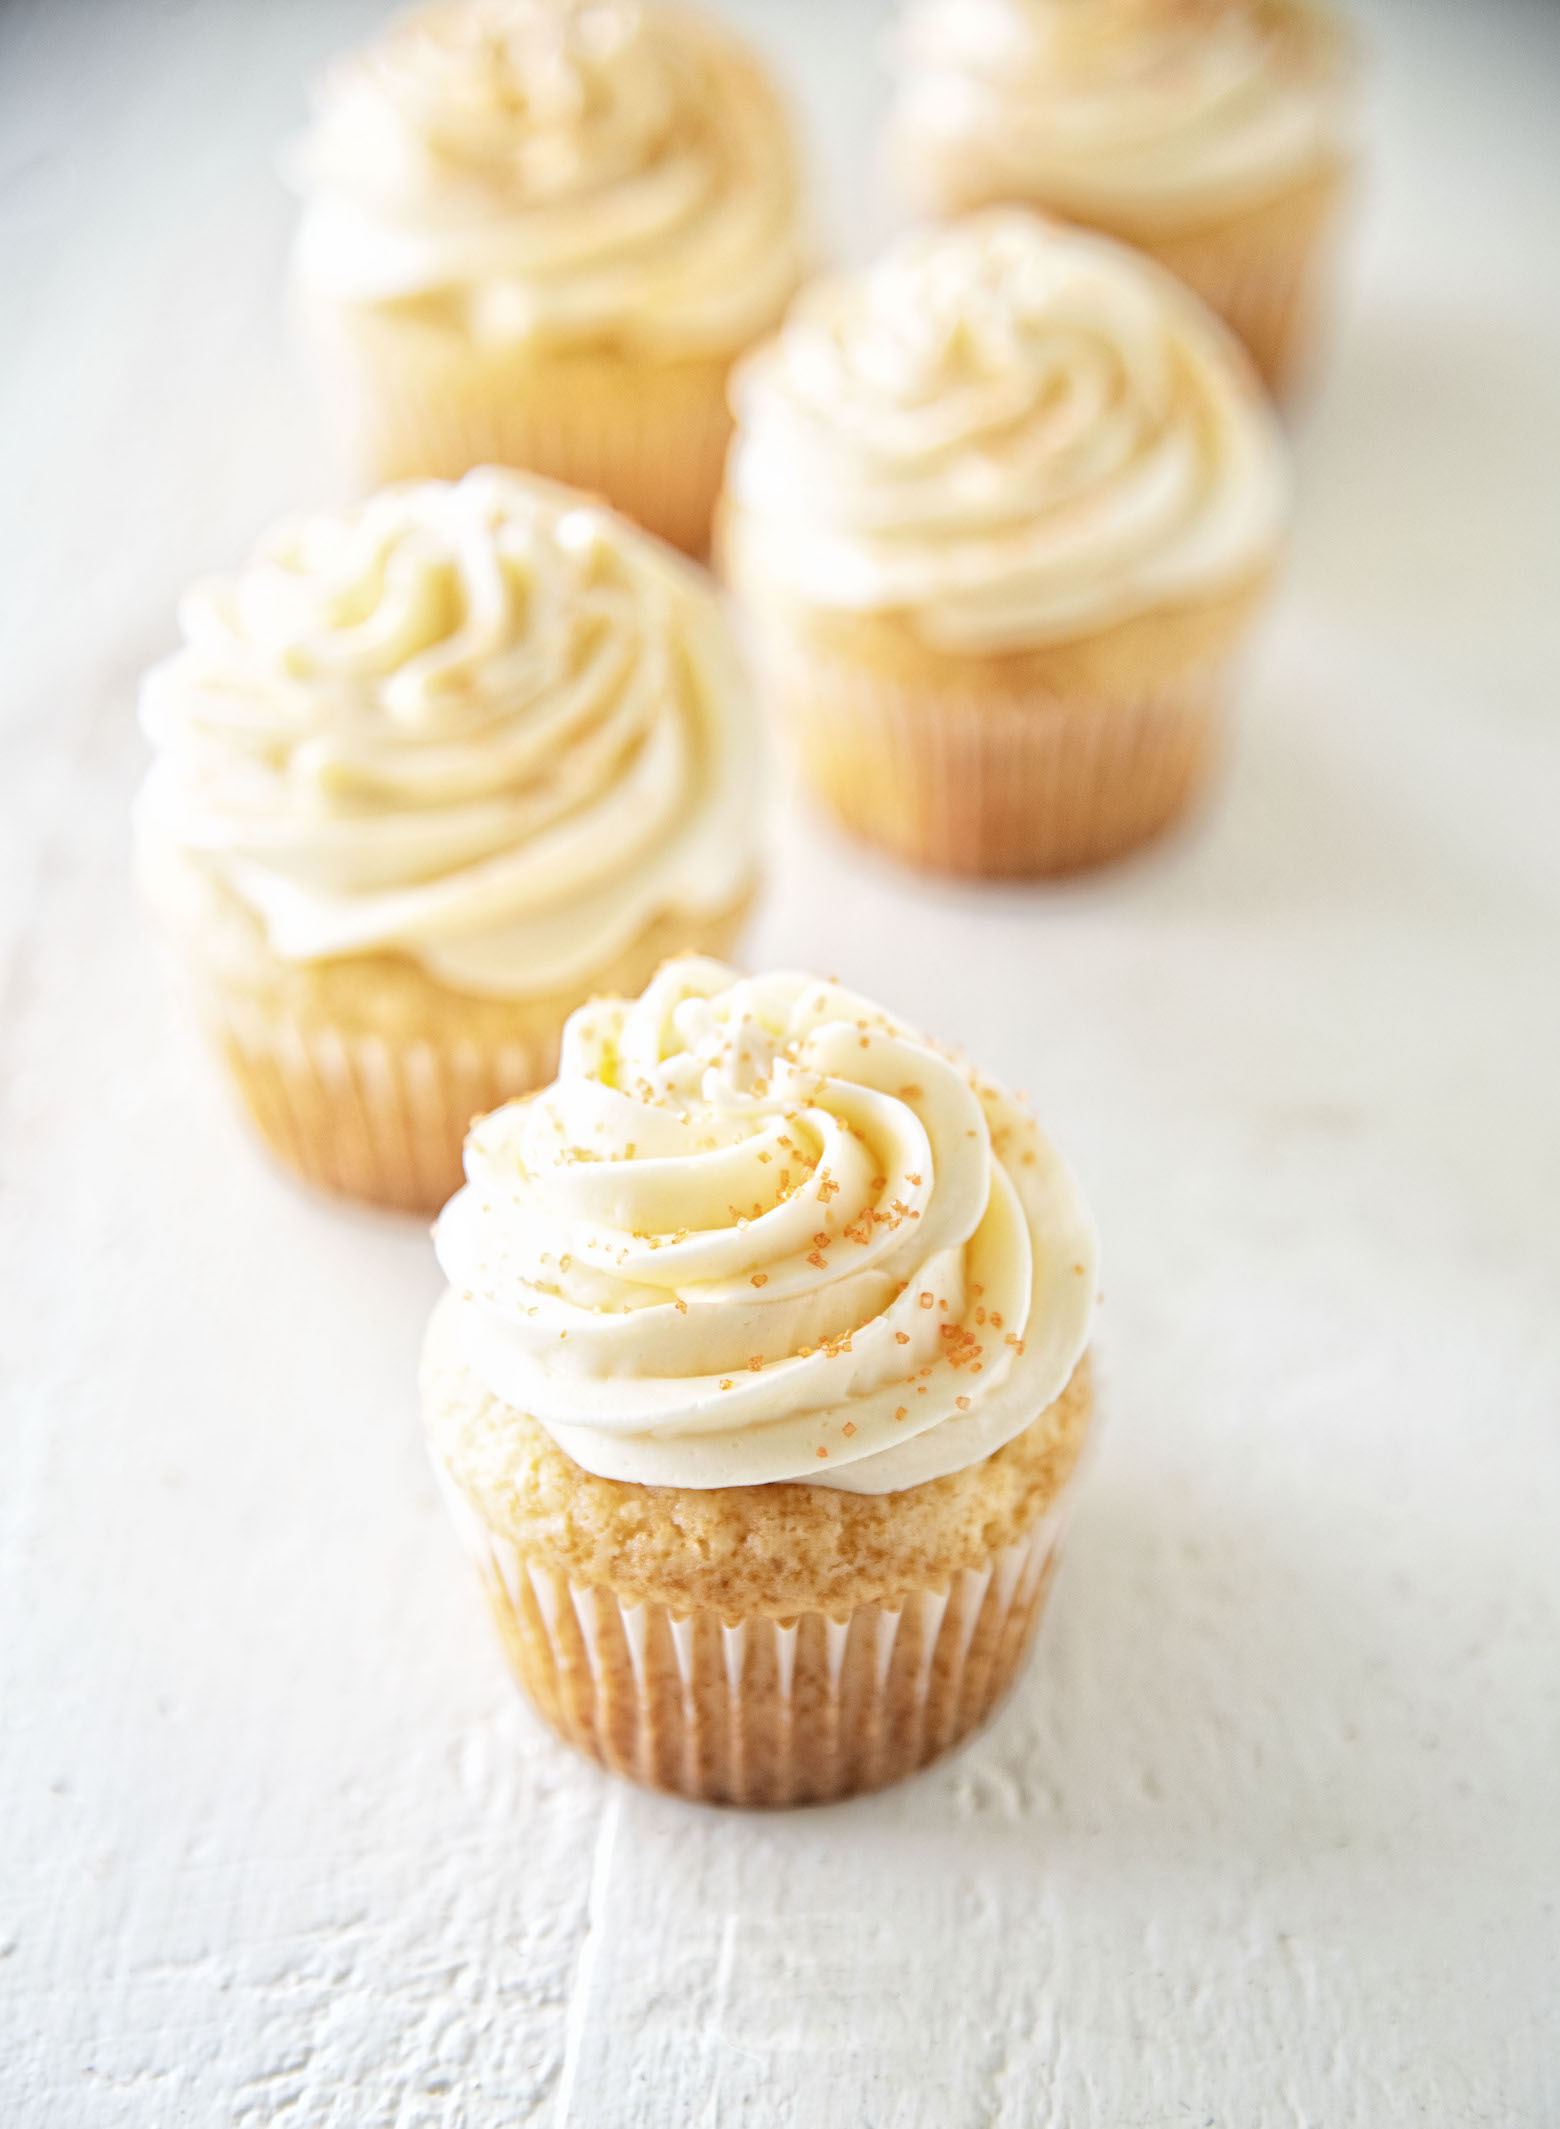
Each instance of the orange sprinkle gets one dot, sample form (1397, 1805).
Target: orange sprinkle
(820, 1241)
(766, 1158)
(878, 1182)
(679, 1304)
(848, 1429)
(963, 1403)
(726, 1383)
(823, 1452)
(996, 1317)
(912, 1092)
(901, 1337)
(760, 1278)
(980, 1315)
(816, 1256)
(755, 1363)
(925, 1300)
(903, 1412)
(913, 1179)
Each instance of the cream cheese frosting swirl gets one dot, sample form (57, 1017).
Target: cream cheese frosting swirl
(486, 724)
(555, 170)
(1157, 111)
(758, 1230)
(1012, 431)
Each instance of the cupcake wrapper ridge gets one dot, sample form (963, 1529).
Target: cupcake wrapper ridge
(996, 785)
(1265, 276)
(763, 1711)
(381, 1113)
(650, 438)
(363, 1116)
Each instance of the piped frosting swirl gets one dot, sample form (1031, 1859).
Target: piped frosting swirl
(1012, 431)
(555, 171)
(486, 724)
(759, 1230)
(1148, 112)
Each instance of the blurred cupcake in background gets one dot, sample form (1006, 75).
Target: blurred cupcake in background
(535, 233)
(1213, 134)
(1001, 509)
(430, 771)
(761, 1385)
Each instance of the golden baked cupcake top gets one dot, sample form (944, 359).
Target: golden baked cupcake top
(486, 724)
(1009, 431)
(758, 1230)
(555, 171)
(1155, 111)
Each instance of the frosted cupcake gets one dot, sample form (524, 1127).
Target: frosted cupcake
(1214, 134)
(760, 1386)
(1002, 508)
(536, 233)
(429, 772)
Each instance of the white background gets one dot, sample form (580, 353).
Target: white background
(1271, 1832)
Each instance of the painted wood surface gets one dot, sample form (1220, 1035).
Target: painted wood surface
(1271, 1832)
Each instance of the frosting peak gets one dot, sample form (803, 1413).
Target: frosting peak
(555, 169)
(487, 724)
(759, 1230)
(1014, 431)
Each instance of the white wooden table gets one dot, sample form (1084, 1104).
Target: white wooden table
(1271, 1833)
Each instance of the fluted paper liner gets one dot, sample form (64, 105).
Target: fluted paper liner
(364, 1116)
(993, 784)
(418, 403)
(762, 1710)
(1264, 272)
(380, 1112)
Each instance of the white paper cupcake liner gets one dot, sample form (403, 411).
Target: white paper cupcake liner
(763, 1711)
(364, 1116)
(991, 784)
(650, 438)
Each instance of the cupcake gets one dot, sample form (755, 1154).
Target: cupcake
(535, 233)
(1212, 134)
(430, 772)
(760, 1386)
(1001, 509)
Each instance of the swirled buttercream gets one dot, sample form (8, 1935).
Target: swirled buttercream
(758, 1230)
(1013, 431)
(555, 170)
(486, 724)
(1158, 111)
